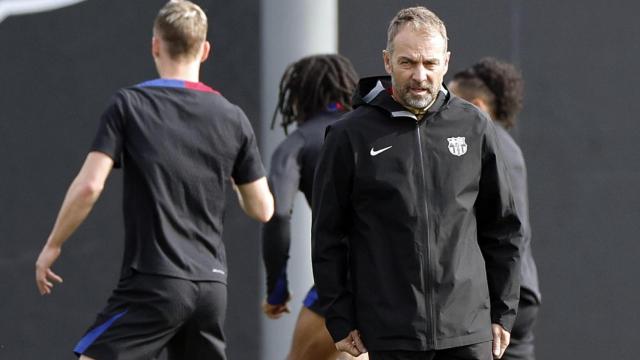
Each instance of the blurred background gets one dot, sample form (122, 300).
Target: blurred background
(578, 132)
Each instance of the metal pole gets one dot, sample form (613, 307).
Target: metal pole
(290, 29)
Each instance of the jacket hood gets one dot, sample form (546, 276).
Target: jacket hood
(376, 91)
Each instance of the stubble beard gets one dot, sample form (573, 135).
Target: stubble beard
(418, 102)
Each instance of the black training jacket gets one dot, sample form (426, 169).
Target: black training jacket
(415, 234)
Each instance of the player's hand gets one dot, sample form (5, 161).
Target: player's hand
(352, 344)
(275, 311)
(44, 276)
(501, 338)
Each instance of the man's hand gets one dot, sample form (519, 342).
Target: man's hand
(275, 311)
(501, 339)
(44, 275)
(352, 344)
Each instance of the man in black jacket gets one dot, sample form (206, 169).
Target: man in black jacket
(416, 236)
(497, 88)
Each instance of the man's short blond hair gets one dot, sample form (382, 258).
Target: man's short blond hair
(421, 19)
(183, 27)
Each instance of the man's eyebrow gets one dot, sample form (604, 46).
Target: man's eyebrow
(407, 57)
(430, 60)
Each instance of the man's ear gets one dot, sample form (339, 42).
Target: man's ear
(386, 57)
(206, 50)
(155, 47)
(447, 56)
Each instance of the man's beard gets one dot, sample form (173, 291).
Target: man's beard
(416, 101)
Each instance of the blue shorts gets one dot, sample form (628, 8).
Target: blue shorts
(313, 302)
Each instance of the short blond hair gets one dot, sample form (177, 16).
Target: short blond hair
(420, 18)
(183, 26)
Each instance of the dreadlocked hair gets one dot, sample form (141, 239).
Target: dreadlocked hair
(311, 84)
(499, 83)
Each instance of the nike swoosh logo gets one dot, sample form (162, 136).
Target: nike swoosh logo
(376, 152)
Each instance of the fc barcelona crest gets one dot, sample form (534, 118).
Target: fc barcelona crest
(457, 146)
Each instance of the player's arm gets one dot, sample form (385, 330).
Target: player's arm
(499, 237)
(255, 199)
(284, 182)
(78, 202)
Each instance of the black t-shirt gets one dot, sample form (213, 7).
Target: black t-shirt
(179, 144)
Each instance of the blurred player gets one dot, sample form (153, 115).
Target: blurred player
(314, 92)
(497, 88)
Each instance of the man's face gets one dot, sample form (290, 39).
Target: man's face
(417, 66)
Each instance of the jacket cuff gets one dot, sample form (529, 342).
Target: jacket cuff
(338, 328)
(505, 320)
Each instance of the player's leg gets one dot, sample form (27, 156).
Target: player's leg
(311, 340)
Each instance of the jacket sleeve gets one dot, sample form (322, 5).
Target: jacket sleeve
(331, 211)
(499, 232)
(284, 181)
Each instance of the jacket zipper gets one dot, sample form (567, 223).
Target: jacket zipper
(426, 278)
